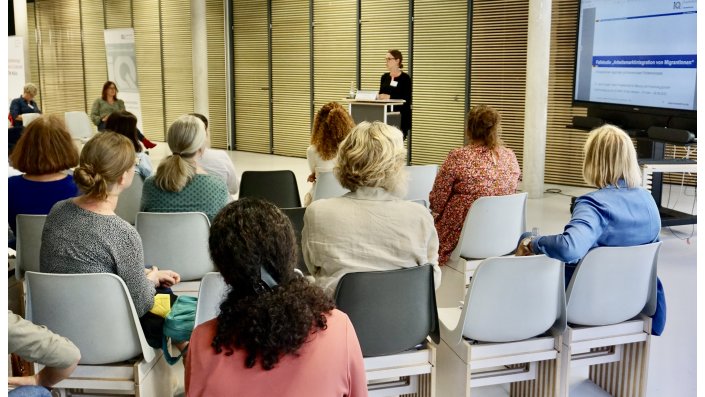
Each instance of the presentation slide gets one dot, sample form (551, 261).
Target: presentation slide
(637, 53)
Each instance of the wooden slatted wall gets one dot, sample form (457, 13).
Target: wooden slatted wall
(34, 75)
(96, 71)
(118, 14)
(334, 54)
(176, 59)
(498, 64)
(217, 88)
(251, 76)
(380, 33)
(148, 52)
(291, 82)
(439, 79)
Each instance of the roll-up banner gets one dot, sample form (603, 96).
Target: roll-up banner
(122, 68)
(15, 67)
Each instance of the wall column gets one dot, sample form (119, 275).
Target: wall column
(22, 30)
(536, 98)
(199, 56)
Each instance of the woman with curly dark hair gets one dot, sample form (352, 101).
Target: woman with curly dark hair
(276, 334)
(330, 126)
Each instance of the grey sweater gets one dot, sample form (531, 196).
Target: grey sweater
(80, 241)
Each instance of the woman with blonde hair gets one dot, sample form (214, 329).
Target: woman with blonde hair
(83, 234)
(330, 126)
(483, 167)
(180, 184)
(619, 214)
(24, 104)
(371, 227)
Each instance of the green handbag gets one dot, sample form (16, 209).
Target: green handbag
(179, 324)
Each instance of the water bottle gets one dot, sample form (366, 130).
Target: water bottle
(534, 232)
(352, 89)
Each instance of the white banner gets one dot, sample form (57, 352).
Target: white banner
(122, 68)
(15, 67)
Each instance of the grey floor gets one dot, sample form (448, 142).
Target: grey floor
(672, 362)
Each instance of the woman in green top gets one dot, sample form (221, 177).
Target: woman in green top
(180, 184)
(109, 103)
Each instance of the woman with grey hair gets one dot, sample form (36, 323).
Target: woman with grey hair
(180, 184)
(372, 227)
(24, 104)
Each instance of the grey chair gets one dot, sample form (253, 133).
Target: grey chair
(421, 179)
(279, 187)
(609, 300)
(129, 201)
(296, 216)
(29, 241)
(393, 312)
(212, 292)
(95, 311)
(327, 186)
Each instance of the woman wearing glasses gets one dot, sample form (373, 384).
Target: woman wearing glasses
(397, 85)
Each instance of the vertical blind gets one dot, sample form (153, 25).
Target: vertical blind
(33, 39)
(95, 69)
(380, 33)
(217, 105)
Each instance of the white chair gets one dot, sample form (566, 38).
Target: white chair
(29, 117)
(492, 227)
(212, 292)
(29, 241)
(95, 311)
(129, 201)
(609, 299)
(177, 241)
(507, 331)
(393, 325)
(79, 125)
(421, 178)
(327, 186)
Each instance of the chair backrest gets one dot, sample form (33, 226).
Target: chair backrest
(421, 178)
(94, 311)
(29, 242)
(296, 216)
(327, 186)
(129, 201)
(392, 311)
(211, 293)
(79, 125)
(29, 117)
(613, 284)
(176, 241)
(279, 187)
(492, 226)
(513, 298)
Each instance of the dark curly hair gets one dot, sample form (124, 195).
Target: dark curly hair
(246, 235)
(483, 125)
(330, 126)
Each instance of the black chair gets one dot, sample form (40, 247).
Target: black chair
(279, 187)
(296, 216)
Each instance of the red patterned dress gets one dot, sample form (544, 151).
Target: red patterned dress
(468, 173)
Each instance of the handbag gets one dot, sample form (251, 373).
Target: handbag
(178, 325)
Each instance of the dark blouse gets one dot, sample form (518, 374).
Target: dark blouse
(401, 91)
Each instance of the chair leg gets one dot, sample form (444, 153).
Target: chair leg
(156, 381)
(625, 378)
(546, 384)
(452, 373)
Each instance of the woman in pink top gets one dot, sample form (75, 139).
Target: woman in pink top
(484, 167)
(276, 334)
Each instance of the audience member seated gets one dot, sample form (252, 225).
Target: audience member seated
(484, 167)
(125, 123)
(218, 163)
(372, 227)
(37, 344)
(619, 214)
(83, 235)
(330, 126)
(180, 184)
(276, 334)
(43, 154)
(24, 104)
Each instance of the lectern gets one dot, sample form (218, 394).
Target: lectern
(384, 110)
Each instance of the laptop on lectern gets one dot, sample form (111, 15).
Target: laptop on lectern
(363, 95)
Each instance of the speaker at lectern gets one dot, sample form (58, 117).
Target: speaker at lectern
(366, 107)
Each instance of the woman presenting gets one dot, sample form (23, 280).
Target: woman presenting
(109, 103)
(397, 85)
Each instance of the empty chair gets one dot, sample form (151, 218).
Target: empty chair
(609, 299)
(29, 242)
(510, 306)
(279, 187)
(421, 178)
(211, 293)
(393, 313)
(95, 311)
(492, 227)
(327, 186)
(29, 117)
(177, 241)
(79, 125)
(129, 201)
(296, 216)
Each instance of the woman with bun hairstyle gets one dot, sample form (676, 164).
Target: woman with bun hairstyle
(181, 184)
(276, 334)
(83, 234)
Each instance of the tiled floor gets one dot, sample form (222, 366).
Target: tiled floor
(672, 363)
